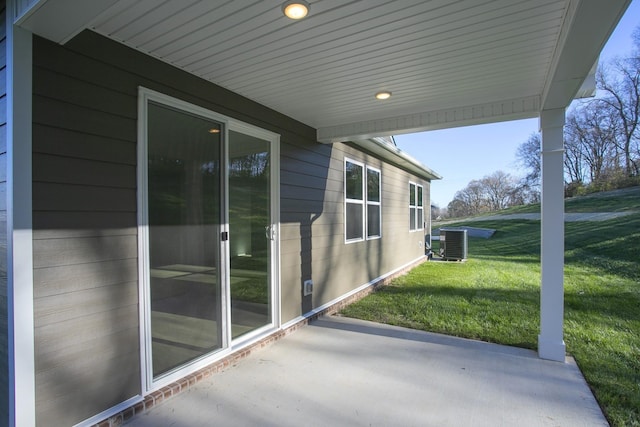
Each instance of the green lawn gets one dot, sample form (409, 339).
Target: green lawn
(494, 296)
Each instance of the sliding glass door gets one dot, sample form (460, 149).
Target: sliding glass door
(251, 232)
(184, 153)
(208, 235)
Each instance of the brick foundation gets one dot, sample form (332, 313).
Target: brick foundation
(190, 380)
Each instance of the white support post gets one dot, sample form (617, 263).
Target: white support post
(550, 341)
(19, 225)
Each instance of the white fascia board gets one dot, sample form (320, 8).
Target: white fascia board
(586, 28)
(61, 20)
(394, 155)
(491, 112)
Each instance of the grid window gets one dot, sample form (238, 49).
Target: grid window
(373, 204)
(363, 198)
(354, 200)
(416, 208)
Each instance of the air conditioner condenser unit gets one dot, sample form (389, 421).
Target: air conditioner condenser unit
(453, 244)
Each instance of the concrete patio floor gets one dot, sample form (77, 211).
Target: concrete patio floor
(345, 372)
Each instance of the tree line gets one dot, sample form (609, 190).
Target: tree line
(494, 192)
(601, 141)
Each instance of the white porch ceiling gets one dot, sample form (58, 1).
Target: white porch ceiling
(448, 63)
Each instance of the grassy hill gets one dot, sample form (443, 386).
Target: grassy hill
(626, 199)
(494, 296)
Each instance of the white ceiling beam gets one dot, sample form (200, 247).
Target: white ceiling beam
(582, 38)
(514, 109)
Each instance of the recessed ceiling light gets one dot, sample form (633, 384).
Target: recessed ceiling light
(295, 9)
(214, 130)
(383, 95)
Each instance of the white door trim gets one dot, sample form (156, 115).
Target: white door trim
(148, 384)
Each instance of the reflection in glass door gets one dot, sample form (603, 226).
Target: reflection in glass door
(184, 216)
(250, 232)
(208, 247)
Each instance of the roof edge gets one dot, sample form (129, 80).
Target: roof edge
(388, 151)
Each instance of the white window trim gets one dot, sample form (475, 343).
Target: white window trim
(354, 201)
(370, 203)
(417, 227)
(420, 207)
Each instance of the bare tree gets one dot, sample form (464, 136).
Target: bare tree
(574, 165)
(458, 208)
(499, 189)
(473, 195)
(493, 192)
(468, 201)
(620, 83)
(602, 136)
(590, 133)
(528, 157)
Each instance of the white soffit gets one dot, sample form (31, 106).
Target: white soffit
(447, 63)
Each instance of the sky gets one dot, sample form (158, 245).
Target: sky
(483, 149)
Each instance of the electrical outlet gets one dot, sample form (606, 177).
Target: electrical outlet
(307, 287)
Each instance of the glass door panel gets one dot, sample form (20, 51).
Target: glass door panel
(184, 152)
(250, 232)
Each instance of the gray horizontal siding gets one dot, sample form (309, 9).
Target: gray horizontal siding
(54, 113)
(85, 240)
(68, 143)
(77, 198)
(99, 344)
(83, 223)
(81, 171)
(313, 239)
(64, 279)
(61, 251)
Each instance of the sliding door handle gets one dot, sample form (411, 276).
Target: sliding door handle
(270, 232)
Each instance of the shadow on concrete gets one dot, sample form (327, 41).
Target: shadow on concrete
(372, 328)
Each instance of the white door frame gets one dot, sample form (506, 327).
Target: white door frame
(147, 381)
